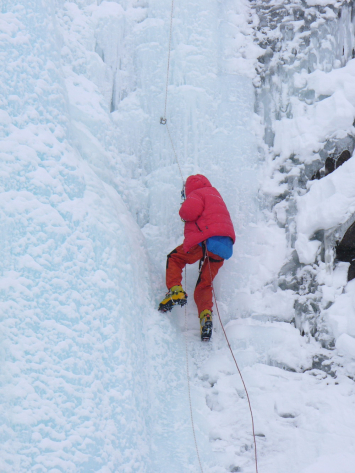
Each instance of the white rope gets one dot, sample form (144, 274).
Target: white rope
(176, 158)
(163, 119)
(167, 72)
(188, 386)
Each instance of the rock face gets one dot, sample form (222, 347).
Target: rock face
(304, 96)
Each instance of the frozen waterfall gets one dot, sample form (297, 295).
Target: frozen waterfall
(92, 377)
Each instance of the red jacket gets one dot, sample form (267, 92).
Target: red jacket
(204, 212)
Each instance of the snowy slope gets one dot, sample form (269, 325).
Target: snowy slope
(93, 378)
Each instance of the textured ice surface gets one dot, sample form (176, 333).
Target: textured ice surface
(74, 380)
(92, 377)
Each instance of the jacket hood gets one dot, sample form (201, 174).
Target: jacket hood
(196, 182)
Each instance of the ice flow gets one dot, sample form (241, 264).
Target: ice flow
(92, 378)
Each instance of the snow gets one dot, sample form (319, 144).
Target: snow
(331, 116)
(330, 201)
(329, 463)
(340, 314)
(93, 378)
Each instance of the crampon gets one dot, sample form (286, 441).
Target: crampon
(175, 296)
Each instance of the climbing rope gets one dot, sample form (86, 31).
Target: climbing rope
(188, 386)
(163, 119)
(236, 364)
(168, 67)
(176, 158)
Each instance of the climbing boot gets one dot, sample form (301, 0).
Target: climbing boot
(175, 296)
(206, 325)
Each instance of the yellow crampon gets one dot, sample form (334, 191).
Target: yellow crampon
(175, 296)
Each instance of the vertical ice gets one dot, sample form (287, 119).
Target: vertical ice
(87, 362)
(74, 372)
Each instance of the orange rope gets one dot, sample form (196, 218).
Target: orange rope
(236, 364)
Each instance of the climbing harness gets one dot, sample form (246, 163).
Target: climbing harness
(189, 389)
(236, 364)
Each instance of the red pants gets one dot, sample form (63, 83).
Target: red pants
(176, 262)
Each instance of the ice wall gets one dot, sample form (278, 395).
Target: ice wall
(209, 112)
(73, 366)
(211, 120)
(92, 378)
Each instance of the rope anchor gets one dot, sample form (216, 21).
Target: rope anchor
(163, 121)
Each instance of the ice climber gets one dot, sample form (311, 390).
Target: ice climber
(208, 237)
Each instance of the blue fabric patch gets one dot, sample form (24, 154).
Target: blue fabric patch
(220, 245)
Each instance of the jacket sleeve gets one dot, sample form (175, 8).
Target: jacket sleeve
(192, 208)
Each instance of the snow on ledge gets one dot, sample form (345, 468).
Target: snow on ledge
(329, 203)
